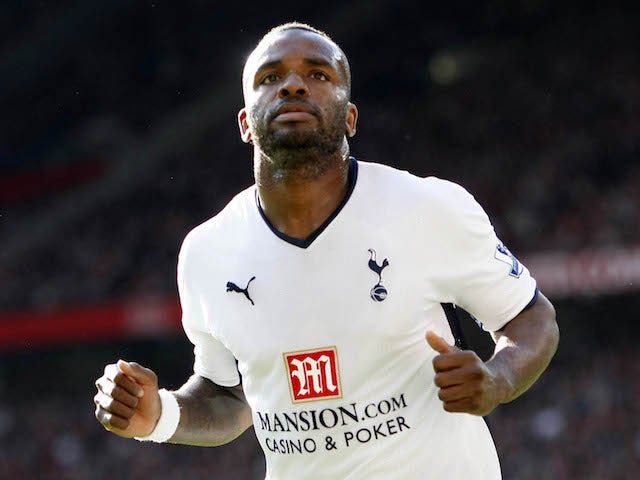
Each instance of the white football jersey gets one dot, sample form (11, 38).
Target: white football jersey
(328, 334)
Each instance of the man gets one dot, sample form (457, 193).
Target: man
(317, 286)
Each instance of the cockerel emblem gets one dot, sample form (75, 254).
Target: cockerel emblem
(378, 292)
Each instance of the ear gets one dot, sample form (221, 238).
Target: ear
(243, 125)
(352, 119)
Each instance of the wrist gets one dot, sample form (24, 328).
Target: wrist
(168, 420)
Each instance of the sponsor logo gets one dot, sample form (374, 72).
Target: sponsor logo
(232, 287)
(313, 374)
(332, 428)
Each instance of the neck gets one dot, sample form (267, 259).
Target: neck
(299, 200)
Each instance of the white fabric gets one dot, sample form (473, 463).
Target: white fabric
(382, 420)
(168, 421)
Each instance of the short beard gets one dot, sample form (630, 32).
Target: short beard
(302, 154)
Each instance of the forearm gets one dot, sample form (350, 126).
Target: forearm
(524, 349)
(210, 415)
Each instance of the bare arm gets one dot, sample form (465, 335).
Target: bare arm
(128, 404)
(524, 348)
(210, 414)
(523, 351)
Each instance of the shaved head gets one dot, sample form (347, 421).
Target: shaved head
(272, 36)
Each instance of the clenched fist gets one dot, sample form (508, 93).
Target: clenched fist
(466, 383)
(127, 402)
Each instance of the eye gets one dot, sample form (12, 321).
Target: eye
(269, 78)
(320, 76)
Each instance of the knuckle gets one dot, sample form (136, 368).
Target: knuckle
(103, 417)
(110, 370)
(109, 389)
(100, 384)
(104, 402)
(108, 419)
(108, 404)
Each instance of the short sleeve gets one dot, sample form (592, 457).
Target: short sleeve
(484, 277)
(212, 359)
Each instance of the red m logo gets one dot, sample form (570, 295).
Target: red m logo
(313, 374)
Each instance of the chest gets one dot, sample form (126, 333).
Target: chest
(261, 303)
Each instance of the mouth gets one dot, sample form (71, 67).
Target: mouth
(294, 112)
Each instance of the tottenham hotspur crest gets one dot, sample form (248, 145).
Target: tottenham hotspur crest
(378, 292)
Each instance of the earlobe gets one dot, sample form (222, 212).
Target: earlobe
(243, 125)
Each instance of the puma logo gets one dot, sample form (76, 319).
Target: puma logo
(232, 287)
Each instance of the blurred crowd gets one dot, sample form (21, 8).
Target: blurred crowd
(581, 419)
(38, 442)
(581, 422)
(541, 124)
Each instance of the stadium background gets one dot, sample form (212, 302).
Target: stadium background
(118, 134)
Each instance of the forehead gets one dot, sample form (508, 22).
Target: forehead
(292, 44)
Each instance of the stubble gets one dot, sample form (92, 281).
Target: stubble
(301, 153)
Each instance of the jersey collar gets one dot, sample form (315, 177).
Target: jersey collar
(352, 176)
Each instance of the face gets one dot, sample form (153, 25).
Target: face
(296, 97)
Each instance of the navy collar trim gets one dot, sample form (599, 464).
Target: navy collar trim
(352, 177)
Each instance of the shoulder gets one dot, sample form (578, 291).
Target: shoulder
(223, 226)
(386, 176)
(436, 210)
(379, 173)
(450, 197)
(455, 211)
(433, 195)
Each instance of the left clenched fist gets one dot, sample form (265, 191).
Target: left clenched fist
(466, 383)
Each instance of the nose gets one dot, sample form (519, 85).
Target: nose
(292, 86)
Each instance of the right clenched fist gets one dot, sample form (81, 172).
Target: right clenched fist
(127, 402)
